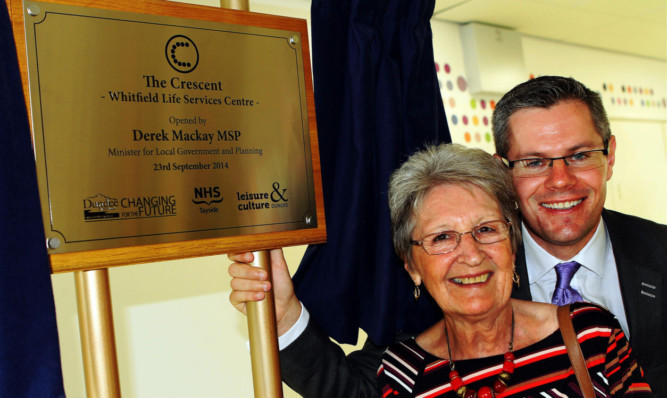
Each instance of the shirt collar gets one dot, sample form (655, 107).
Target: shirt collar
(589, 257)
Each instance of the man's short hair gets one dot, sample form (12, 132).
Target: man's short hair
(545, 92)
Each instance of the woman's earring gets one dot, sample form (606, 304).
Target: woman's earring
(515, 278)
(417, 292)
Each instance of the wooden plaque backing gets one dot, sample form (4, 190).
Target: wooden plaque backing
(104, 258)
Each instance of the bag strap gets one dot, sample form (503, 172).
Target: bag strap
(574, 351)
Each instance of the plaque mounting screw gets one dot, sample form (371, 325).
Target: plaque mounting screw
(294, 39)
(309, 220)
(53, 243)
(34, 10)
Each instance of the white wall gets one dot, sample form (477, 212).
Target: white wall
(638, 118)
(178, 336)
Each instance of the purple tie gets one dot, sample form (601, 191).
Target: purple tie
(564, 293)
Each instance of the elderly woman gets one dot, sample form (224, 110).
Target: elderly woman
(455, 225)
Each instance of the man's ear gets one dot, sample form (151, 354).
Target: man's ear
(611, 156)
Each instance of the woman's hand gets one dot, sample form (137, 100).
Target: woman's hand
(251, 283)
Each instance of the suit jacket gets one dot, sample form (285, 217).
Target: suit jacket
(640, 250)
(316, 367)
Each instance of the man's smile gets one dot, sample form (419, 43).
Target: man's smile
(561, 205)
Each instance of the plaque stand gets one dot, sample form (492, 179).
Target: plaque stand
(98, 344)
(90, 264)
(262, 332)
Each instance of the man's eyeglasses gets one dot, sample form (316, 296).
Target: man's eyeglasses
(536, 167)
(447, 241)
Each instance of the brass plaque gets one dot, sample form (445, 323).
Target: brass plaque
(152, 129)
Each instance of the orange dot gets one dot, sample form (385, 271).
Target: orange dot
(466, 136)
(492, 103)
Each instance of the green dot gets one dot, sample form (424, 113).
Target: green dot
(473, 103)
(487, 137)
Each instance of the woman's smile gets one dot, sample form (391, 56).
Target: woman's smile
(472, 280)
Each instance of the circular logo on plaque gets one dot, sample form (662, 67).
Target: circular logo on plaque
(182, 54)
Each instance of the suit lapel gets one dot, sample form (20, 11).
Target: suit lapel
(640, 284)
(522, 292)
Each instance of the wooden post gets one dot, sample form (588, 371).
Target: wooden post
(98, 343)
(235, 4)
(264, 356)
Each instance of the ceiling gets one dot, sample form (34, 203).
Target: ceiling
(634, 27)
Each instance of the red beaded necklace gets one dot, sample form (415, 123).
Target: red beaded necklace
(485, 392)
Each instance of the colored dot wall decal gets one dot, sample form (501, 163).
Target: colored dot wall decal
(466, 136)
(482, 103)
(437, 68)
(464, 119)
(461, 83)
(455, 120)
(447, 68)
(492, 104)
(475, 120)
(485, 120)
(452, 103)
(478, 137)
(488, 137)
(473, 103)
(450, 85)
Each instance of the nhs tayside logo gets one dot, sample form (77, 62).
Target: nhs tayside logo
(206, 197)
(182, 54)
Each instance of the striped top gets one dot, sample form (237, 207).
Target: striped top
(542, 369)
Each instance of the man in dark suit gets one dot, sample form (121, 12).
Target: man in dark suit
(553, 134)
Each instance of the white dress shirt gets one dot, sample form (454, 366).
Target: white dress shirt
(295, 331)
(596, 280)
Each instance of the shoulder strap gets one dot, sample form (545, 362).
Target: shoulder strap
(574, 351)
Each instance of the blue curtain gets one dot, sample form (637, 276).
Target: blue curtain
(29, 351)
(377, 101)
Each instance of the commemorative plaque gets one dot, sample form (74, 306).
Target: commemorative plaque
(153, 129)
